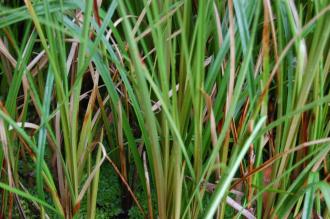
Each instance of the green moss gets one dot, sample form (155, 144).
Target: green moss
(108, 204)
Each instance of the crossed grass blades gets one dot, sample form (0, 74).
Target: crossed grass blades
(201, 109)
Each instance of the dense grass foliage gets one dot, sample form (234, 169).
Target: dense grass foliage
(173, 109)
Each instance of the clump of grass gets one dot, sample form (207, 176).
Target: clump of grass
(203, 107)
